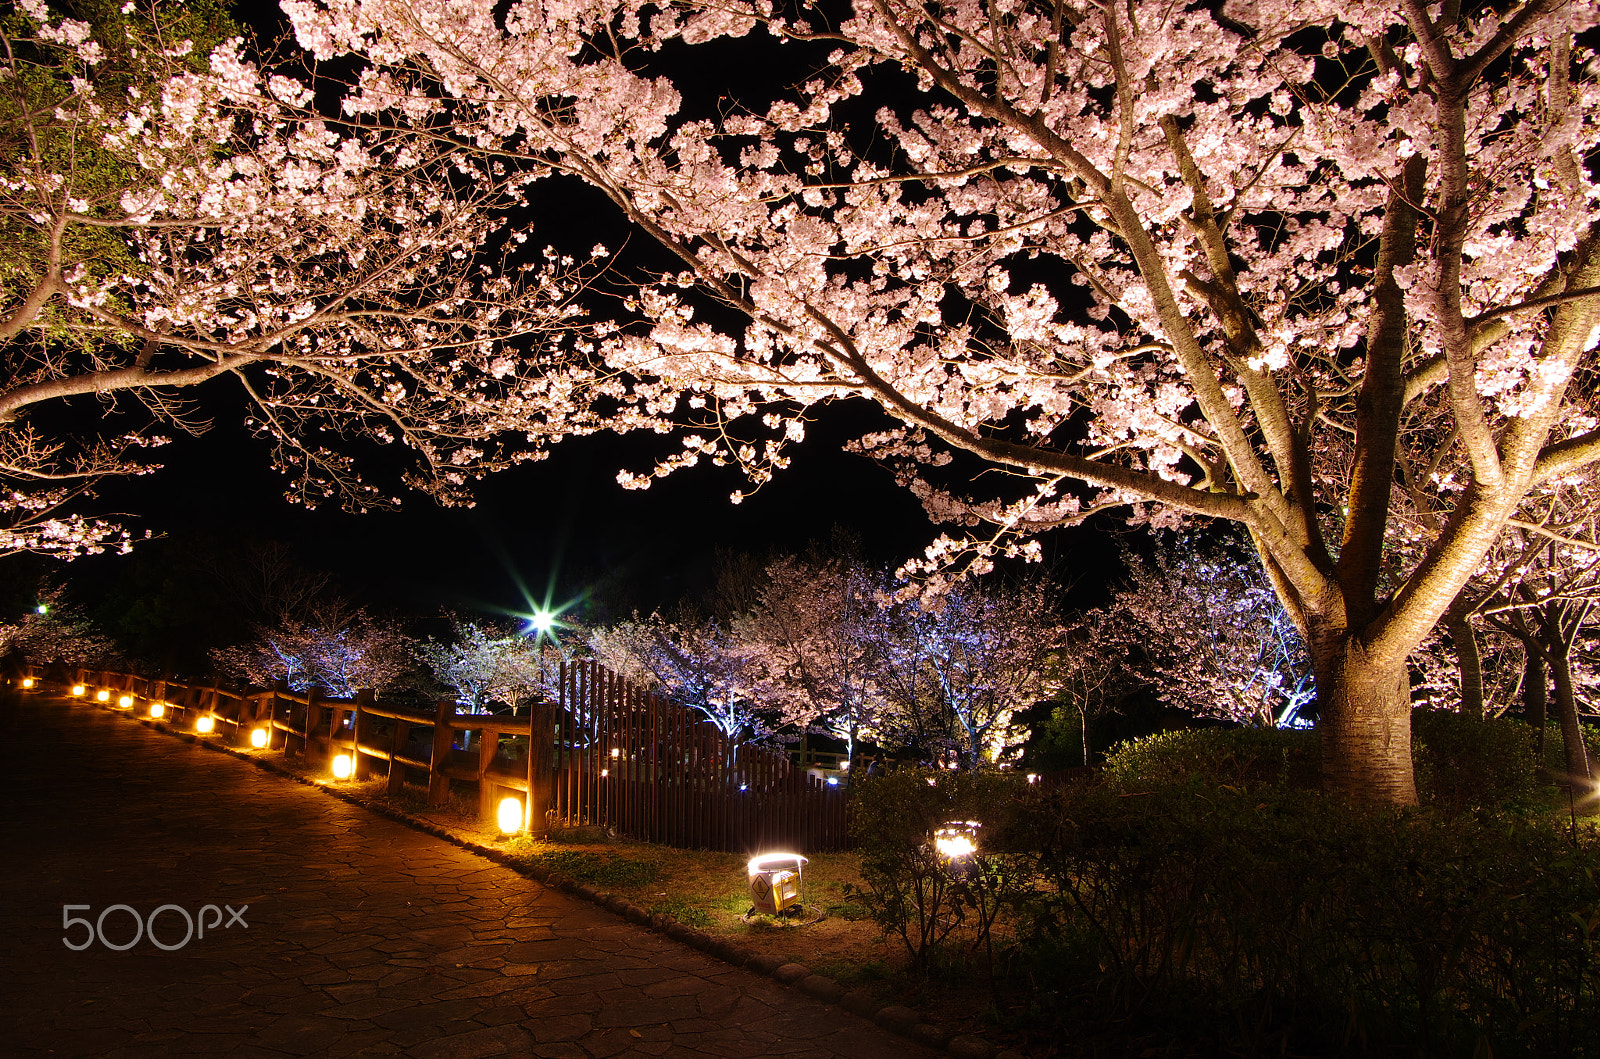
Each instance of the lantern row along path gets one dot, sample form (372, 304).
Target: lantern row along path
(357, 934)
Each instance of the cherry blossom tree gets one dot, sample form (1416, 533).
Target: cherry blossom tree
(696, 662)
(813, 636)
(955, 671)
(334, 647)
(1214, 260)
(1206, 629)
(56, 631)
(174, 214)
(488, 663)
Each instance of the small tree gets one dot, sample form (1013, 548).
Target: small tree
(1205, 628)
(813, 644)
(336, 648)
(56, 631)
(954, 671)
(489, 663)
(695, 662)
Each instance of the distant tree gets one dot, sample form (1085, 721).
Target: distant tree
(56, 631)
(1205, 628)
(695, 662)
(954, 671)
(1087, 677)
(335, 647)
(486, 663)
(813, 642)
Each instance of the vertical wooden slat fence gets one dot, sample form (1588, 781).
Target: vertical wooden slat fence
(628, 760)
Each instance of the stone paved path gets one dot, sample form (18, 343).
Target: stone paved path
(363, 935)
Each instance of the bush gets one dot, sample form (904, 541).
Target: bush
(1276, 920)
(1216, 757)
(930, 901)
(1465, 762)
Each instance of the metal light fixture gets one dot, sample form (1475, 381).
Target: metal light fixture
(775, 880)
(957, 841)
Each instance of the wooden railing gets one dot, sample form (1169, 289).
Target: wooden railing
(607, 754)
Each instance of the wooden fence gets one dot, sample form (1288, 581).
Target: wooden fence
(607, 754)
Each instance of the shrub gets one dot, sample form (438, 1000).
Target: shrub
(1289, 922)
(1465, 762)
(911, 890)
(1232, 757)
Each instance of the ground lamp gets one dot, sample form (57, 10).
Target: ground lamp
(78, 690)
(103, 695)
(342, 767)
(205, 724)
(27, 682)
(509, 816)
(775, 881)
(957, 841)
(126, 702)
(258, 738)
(157, 709)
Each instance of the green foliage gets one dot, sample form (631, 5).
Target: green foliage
(690, 915)
(1300, 924)
(1464, 762)
(597, 868)
(1216, 757)
(914, 892)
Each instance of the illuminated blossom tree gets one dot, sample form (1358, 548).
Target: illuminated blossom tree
(56, 631)
(1207, 630)
(1234, 260)
(813, 642)
(693, 661)
(334, 647)
(955, 671)
(172, 214)
(488, 663)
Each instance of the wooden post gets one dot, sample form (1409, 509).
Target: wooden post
(364, 697)
(488, 745)
(308, 730)
(397, 742)
(438, 782)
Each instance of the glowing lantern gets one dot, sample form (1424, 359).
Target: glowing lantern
(126, 701)
(258, 738)
(510, 815)
(616, 752)
(78, 690)
(157, 709)
(342, 767)
(27, 682)
(775, 881)
(205, 724)
(957, 841)
(102, 695)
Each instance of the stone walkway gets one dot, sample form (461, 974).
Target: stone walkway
(359, 935)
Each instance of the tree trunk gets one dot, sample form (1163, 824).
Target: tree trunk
(1577, 755)
(1364, 715)
(1467, 660)
(1535, 693)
